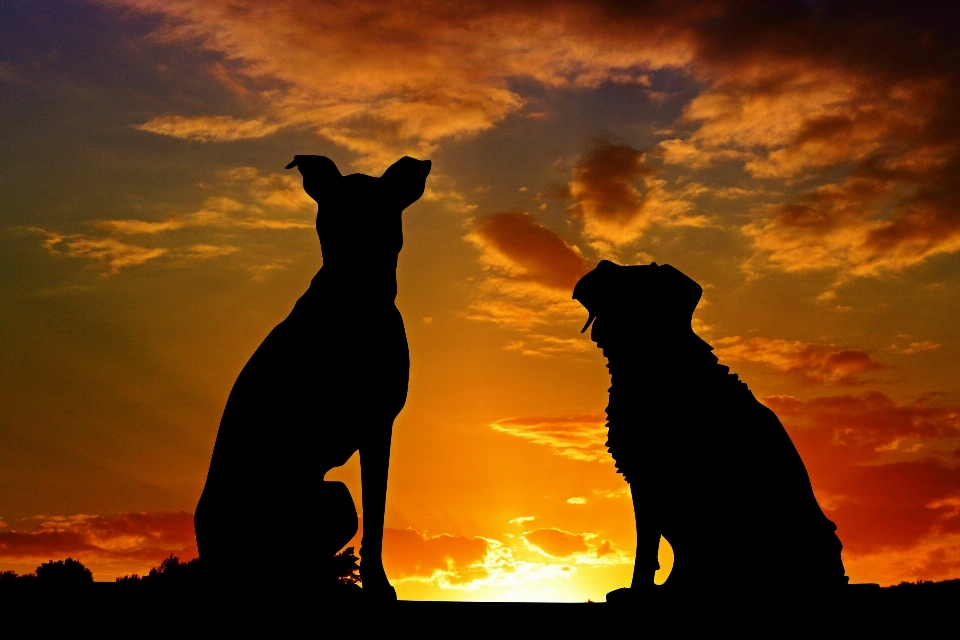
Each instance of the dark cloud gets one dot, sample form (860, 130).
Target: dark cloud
(604, 185)
(616, 195)
(883, 469)
(138, 540)
(515, 242)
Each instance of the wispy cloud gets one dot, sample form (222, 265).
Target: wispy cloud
(578, 436)
(255, 202)
(208, 128)
(810, 363)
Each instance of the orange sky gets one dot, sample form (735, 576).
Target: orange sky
(800, 160)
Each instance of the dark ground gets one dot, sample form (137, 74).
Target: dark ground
(110, 608)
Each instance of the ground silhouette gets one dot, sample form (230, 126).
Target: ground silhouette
(327, 382)
(710, 468)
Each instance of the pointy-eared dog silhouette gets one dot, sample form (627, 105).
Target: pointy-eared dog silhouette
(326, 382)
(710, 468)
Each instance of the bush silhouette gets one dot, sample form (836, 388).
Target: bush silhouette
(63, 573)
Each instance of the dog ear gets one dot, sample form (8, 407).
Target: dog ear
(595, 289)
(681, 290)
(405, 180)
(320, 174)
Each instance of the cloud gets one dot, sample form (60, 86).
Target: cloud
(208, 128)
(516, 244)
(409, 553)
(873, 427)
(461, 563)
(812, 364)
(837, 98)
(580, 548)
(579, 436)
(252, 201)
(923, 346)
(436, 71)
(557, 543)
(127, 543)
(116, 255)
(530, 272)
(616, 196)
(110, 252)
(886, 472)
(544, 345)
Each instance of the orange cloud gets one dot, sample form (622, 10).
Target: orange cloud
(922, 346)
(580, 436)
(460, 563)
(208, 128)
(543, 345)
(384, 82)
(128, 543)
(888, 475)
(873, 428)
(557, 543)
(453, 559)
(812, 364)
(856, 105)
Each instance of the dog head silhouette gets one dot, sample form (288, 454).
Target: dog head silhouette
(359, 209)
(650, 300)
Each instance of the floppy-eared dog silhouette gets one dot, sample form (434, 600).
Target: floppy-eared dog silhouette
(710, 468)
(326, 382)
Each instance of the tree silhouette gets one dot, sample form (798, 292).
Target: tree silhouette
(63, 573)
(346, 568)
(170, 572)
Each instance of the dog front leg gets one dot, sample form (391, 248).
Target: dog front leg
(647, 563)
(374, 467)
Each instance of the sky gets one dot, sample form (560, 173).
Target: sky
(799, 160)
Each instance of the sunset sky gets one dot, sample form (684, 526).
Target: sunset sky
(800, 160)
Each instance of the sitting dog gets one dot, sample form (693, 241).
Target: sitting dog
(326, 382)
(710, 468)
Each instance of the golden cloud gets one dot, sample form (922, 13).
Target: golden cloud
(557, 543)
(383, 82)
(208, 128)
(258, 202)
(812, 364)
(579, 436)
(463, 563)
(821, 95)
